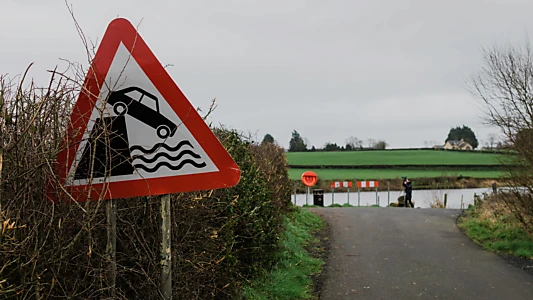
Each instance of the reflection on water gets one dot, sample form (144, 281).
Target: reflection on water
(421, 198)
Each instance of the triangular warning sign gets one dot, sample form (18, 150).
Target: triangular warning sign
(134, 133)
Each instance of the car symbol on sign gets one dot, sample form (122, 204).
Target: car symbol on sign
(123, 102)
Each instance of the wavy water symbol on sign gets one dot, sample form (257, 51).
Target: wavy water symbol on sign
(175, 161)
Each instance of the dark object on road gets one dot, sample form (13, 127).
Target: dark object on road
(125, 104)
(401, 202)
(318, 197)
(407, 184)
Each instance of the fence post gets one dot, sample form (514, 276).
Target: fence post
(348, 195)
(445, 200)
(388, 192)
(294, 193)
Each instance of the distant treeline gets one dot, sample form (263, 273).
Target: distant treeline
(404, 149)
(480, 167)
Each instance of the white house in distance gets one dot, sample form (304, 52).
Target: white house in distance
(455, 145)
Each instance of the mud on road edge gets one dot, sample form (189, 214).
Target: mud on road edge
(319, 248)
(525, 264)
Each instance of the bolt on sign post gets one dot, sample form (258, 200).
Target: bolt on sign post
(158, 144)
(309, 179)
(369, 184)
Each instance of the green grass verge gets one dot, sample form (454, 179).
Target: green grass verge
(384, 157)
(372, 174)
(290, 277)
(503, 236)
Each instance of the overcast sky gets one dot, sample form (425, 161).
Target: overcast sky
(380, 69)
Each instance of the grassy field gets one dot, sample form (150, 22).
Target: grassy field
(467, 164)
(369, 174)
(387, 157)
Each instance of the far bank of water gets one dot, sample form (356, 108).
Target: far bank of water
(421, 198)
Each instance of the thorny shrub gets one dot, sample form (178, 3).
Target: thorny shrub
(220, 238)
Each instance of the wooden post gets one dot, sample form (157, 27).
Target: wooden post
(445, 200)
(166, 255)
(111, 247)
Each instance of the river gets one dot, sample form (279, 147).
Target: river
(421, 198)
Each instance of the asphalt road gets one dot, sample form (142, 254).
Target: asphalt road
(405, 253)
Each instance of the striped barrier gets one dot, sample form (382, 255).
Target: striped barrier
(338, 184)
(344, 184)
(365, 184)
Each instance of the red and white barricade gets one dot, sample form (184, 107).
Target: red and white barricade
(367, 184)
(344, 184)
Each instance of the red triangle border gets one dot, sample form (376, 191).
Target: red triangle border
(122, 31)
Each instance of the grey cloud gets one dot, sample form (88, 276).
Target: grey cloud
(389, 69)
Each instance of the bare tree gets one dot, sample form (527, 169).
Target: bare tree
(491, 140)
(371, 143)
(505, 87)
(430, 143)
(354, 142)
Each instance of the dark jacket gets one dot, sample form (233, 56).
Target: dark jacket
(408, 187)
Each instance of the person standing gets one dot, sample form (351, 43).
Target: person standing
(408, 186)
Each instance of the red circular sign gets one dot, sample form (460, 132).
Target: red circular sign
(309, 178)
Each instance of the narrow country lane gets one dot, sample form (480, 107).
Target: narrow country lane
(402, 253)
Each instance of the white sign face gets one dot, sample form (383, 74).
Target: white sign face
(146, 140)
